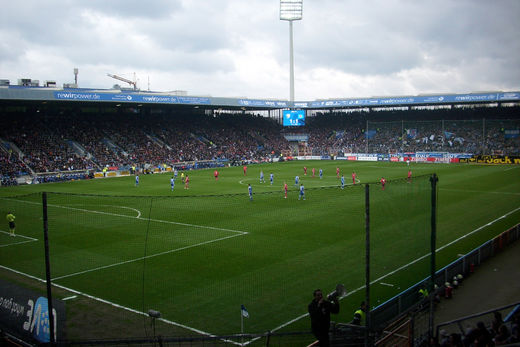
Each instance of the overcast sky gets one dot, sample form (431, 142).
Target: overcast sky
(240, 48)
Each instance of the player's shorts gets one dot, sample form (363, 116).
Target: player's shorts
(11, 225)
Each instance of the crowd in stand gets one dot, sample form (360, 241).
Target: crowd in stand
(496, 333)
(67, 141)
(479, 131)
(11, 168)
(64, 143)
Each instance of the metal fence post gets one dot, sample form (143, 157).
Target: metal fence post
(48, 268)
(367, 263)
(433, 246)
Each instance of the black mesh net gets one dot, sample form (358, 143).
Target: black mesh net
(197, 259)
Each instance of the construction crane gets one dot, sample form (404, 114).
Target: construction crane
(132, 83)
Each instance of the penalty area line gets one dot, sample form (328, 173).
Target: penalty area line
(194, 225)
(145, 257)
(17, 238)
(19, 235)
(137, 217)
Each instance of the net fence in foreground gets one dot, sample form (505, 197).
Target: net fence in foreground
(197, 260)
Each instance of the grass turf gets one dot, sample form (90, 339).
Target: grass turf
(196, 255)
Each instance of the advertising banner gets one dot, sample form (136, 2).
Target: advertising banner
(366, 158)
(414, 100)
(130, 97)
(25, 314)
(263, 103)
(495, 159)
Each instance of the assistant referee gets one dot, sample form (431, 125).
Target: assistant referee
(10, 219)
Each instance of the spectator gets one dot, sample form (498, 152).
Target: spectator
(319, 311)
(503, 335)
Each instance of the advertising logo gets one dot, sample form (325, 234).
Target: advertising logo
(41, 322)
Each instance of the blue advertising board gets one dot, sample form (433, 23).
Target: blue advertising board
(263, 103)
(24, 312)
(84, 94)
(130, 97)
(418, 100)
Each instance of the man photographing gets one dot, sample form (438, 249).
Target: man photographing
(319, 311)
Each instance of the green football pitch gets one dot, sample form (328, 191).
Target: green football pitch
(198, 254)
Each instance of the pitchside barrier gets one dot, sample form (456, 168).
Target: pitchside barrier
(406, 308)
(136, 268)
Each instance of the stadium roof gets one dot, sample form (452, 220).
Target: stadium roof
(116, 96)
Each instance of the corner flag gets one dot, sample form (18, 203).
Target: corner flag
(244, 311)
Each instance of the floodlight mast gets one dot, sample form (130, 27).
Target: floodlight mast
(291, 10)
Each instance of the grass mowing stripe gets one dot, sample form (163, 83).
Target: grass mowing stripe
(195, 226)
(477, 191)
(114, 304)
(19, 235)
(405, 266)
(137, 217)
(274, 225)
(478, 229)
(16, 243)
(145, 257)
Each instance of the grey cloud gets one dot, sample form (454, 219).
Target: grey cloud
(374, 40)
(133, 8)
(393, 36)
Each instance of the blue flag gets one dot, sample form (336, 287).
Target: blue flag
(244, 311)
(448, 135)
(370, 134)
(411, 133)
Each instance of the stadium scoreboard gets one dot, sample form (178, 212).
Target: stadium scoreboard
(293, 117)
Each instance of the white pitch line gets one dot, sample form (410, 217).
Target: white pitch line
(117, 305)
(479, 191)
(126, 207)
(386, 284)
(115, 206)
(150, 219)
(16, 243)
(138, 217)
(18, 236)
(284, 324)
(145, 257)
(196, 226)
(405, 266)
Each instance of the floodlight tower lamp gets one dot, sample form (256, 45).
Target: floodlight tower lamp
(291, 10)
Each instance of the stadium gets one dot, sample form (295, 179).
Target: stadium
(149, 246)
(147, 218)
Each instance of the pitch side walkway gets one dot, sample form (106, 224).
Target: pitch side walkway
(494, 283)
